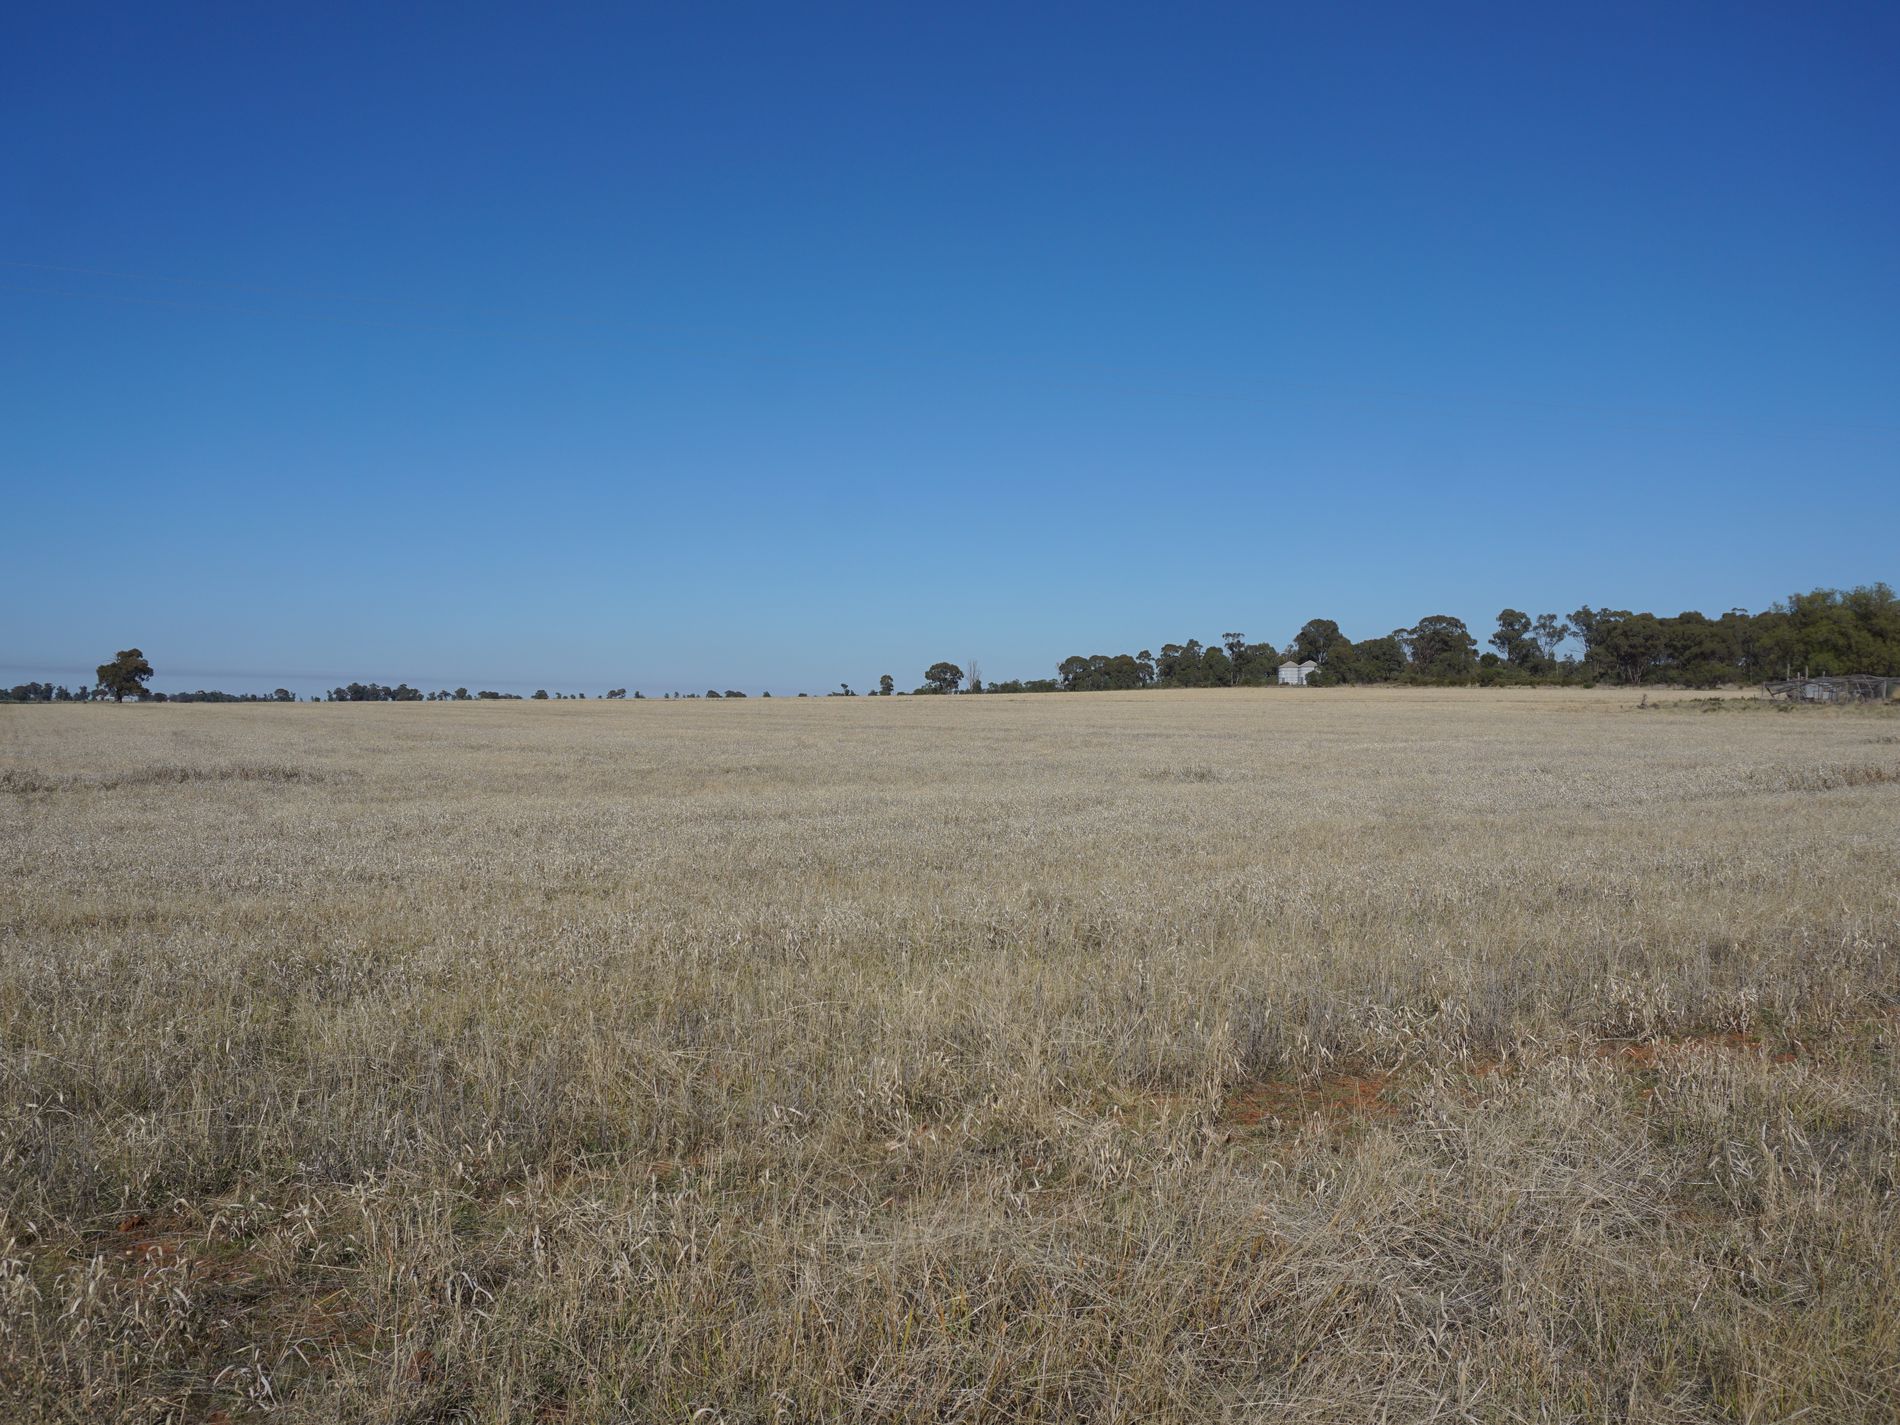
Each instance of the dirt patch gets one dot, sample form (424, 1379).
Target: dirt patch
(1335, 1100)
(1346, 1100)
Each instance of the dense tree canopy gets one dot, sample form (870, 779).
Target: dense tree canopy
(378, 693)
(45, 693)
(1828, 631)
(125, 676)
(1823, 632)
(942, 678)
(1317, 640)
(1441, 649)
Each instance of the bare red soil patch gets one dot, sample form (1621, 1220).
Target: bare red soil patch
(1335, 1100)
(1343, 1099)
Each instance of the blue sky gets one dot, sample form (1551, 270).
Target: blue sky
(775, 346)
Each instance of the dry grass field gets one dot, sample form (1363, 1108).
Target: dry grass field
(1280, 1055)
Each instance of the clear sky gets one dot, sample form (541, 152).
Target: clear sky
(778, 345)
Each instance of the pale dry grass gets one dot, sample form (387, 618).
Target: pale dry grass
(1304, 1056)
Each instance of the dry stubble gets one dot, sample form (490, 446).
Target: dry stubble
(1286, 1055)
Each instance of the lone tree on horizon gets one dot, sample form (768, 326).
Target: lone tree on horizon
(943, 677)
(125, 674)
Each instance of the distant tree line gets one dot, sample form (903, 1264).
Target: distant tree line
(1825, 632)
(213, 695)
(44, 693)
(1828, 631)
(403, 693)
(378, 693)
(47, 693)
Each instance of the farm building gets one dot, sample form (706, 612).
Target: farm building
(1294, 675)
(1854, 688)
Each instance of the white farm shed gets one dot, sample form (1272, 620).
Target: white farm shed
(1294, 675)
